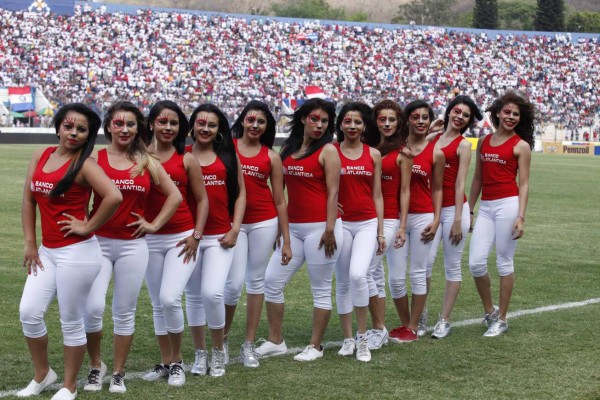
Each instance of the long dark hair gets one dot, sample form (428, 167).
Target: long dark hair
(94, 123)
(184, 127)
(268, 137)
(466, 100)
(366, 113)
(525, 128)
(224, 149)
(396, 140)
(294, 141)
(412, 106)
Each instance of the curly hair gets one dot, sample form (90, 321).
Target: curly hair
(384, 144)
(525, 128)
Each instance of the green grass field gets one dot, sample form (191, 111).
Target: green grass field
(544, 355)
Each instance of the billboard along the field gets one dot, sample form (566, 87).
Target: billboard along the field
(56, 6)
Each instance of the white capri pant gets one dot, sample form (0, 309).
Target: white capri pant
(376, 276)
(494, 225)
(129, 260)
(166, 278)
(251, 256)
(68, 274)
(305, 238)
(419, 253)
(204, 293)
(352, 266)
(452, 253)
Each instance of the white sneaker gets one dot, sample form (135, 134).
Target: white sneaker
(362, 350)
(441, 329)
(271, 349)
(226, 351)
(248, 355)
(65, 394)
(422, 326)
(347, 347)
(159, 371)
(117, 383)
(217, 363)
(200, 366)
(176, 374)
(310, 353)
(377, 338)
(34, 388)
(489, 319)
(497, 328)
(94, 379)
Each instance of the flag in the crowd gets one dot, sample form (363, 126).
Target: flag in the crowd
(20, 98)
(314, 92)
(288, 106)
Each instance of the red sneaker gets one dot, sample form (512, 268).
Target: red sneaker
(402, 334)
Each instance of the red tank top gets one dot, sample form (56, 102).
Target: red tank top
(450, 171)
(259, 199)
(307, 189)
(182, 220)
(73, 202)
(390, 185)
(356, 186)
(134, 191)
(499, 169)
(421, 201)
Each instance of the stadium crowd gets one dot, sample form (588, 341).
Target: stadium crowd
(97, 57)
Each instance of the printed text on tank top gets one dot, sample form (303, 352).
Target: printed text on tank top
(494, 157)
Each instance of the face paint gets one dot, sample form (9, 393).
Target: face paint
(508, 112)
(314, 119)
(68, 124)
(118, 121)
(418, 117)
(162, 119)
(347, 121)
(250, 119)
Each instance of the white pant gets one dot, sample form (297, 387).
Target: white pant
(251, 255)
(204, 293)
(68, 274)
(494, 225)
(166, 278)
(305, 238)
(352, 267)
(452, 253)
(129, 260)
(376, 276)
(419, 252)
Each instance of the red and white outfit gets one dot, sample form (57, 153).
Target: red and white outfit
(498, 210)
(70, 264)
(452, 253)
(359, 223)
(205, 290)
(307, 213)
(121, 252)
(420, 214)
(258, 232)
(167, 274)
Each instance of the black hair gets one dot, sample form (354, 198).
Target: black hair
(466, 100)
(268, 137)
(412, 106)
(294, 141)
(224, 149)
(396, 140)
(184, 127)
(85, 151)
(525, 128)
(366, 113)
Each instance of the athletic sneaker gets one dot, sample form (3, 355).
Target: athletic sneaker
(226, 351)
(310, 353)
(362, 349)
(394, 334)
(377, 338)
(159, 371)
(347, 347)
(248, 354)
(217, 363)
(271, 349)
(403, 335)
(441, 329)
(117, 383)
(488, 319)
(94, 379)
(422, 326)
(497, 328)
(65, 394)
(176, 374)
(34, 388)
(200, 366)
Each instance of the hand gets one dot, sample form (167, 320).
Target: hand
(190, 249)
(74, 226)
(340, 209)
(31, 259)
(428, 233)
(400, 238)
(407, 152)
(380, 245)
(456, 232)
(436, 126)
(517, 231)
(286, 254)
(229, 239)
(328, 240)
(143, 226)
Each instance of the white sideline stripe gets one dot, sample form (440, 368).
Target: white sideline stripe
(295, 350)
